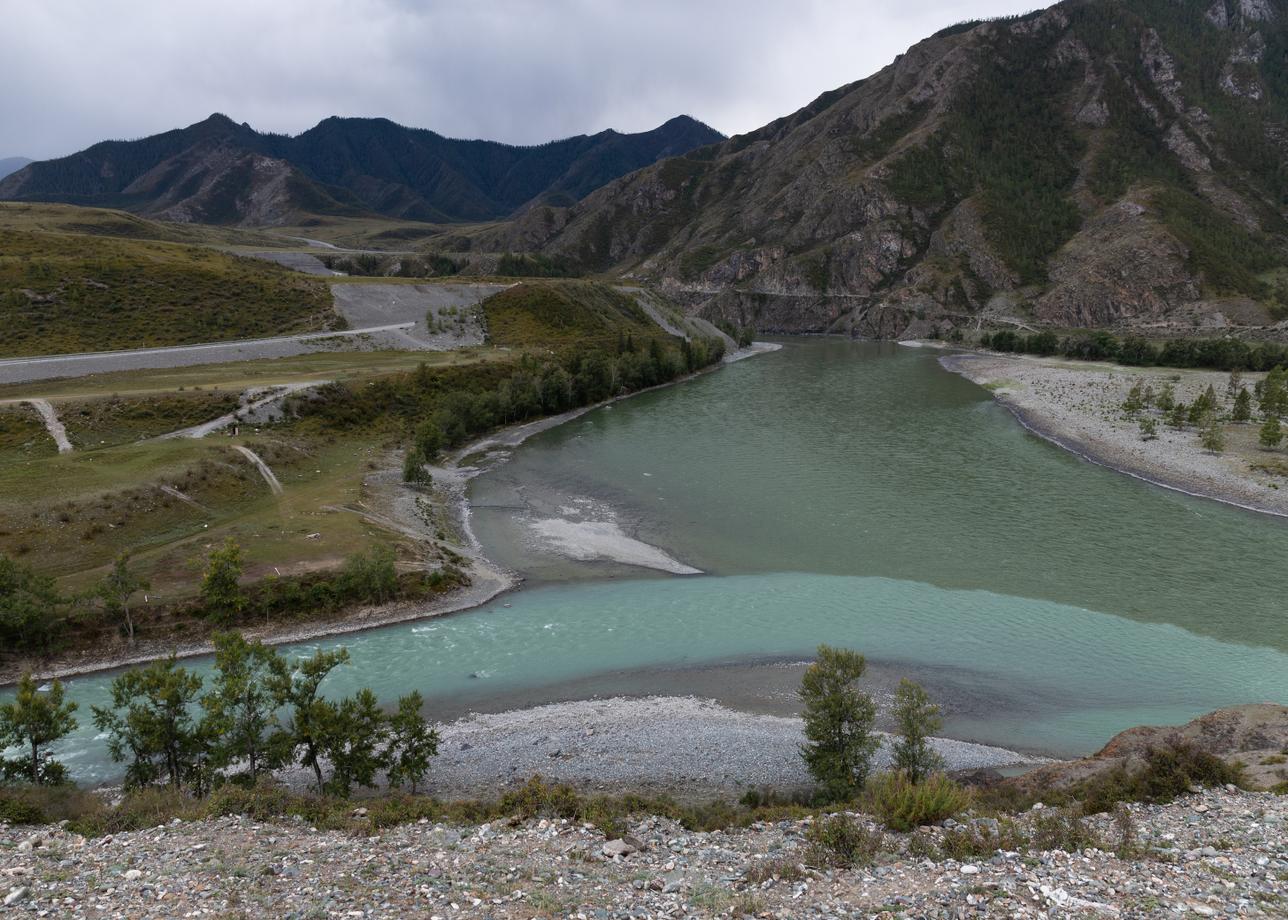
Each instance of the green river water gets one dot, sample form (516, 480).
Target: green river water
(856, 494)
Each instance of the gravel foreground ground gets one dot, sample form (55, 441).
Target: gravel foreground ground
(1220, 853)
(675, 745)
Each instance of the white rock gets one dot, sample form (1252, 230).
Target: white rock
(968, 869)
(133, 875)
(615, 849)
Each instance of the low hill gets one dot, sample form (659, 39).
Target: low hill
(69, 292)
(220, 172)
(1099, 163)
(556, 313)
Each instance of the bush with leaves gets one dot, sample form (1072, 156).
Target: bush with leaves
(370, 576)
(32, 722)
(1168, 773)
(842, 841)
(903, 804)
(839, 720)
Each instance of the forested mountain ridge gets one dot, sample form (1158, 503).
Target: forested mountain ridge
(1099, 163)
(217, 171)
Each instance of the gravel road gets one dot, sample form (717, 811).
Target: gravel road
(299, 261)
(49, 367)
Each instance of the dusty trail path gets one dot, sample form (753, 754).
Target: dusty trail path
(253, 401)
(263, 468)
(52, 424)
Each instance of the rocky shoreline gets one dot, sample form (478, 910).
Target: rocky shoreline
(1218, 853)
(1076, 406)
(680, 746)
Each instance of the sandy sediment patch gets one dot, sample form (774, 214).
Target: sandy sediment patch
(594, 540)
(1078, 406)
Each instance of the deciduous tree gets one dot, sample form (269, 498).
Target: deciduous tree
(839, 719)
(1271, 433)
(305, 733)
(221, 592)
(117, 588)
(916, 718)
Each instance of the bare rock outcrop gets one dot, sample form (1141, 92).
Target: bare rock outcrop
(1255, 736)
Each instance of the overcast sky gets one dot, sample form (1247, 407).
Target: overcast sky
(73, 72)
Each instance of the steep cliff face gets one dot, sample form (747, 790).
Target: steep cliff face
(1102, 162)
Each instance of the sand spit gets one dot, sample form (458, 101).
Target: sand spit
(1077, 406)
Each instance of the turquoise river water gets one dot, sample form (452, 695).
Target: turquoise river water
(855, 494)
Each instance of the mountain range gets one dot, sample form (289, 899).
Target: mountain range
(1098, 163)
(220, 172)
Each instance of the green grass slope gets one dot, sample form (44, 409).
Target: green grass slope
(64, 292)
(557, 313)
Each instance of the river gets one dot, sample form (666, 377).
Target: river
(850, 493)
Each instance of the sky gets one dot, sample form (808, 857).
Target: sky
(73, 72)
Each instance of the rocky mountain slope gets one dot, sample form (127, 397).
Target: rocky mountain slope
(1102, 162)
(219, 172)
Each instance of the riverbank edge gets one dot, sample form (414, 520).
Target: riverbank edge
(1034, 421)
(488, 580)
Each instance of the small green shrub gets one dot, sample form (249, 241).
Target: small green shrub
(839, 840)
(784, 868)
(978, 841)
(1169, 772)
(903, 805)
(17, 810)
(1061, 829)
(539, 799)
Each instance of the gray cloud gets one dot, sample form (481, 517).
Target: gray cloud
(73, 72)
